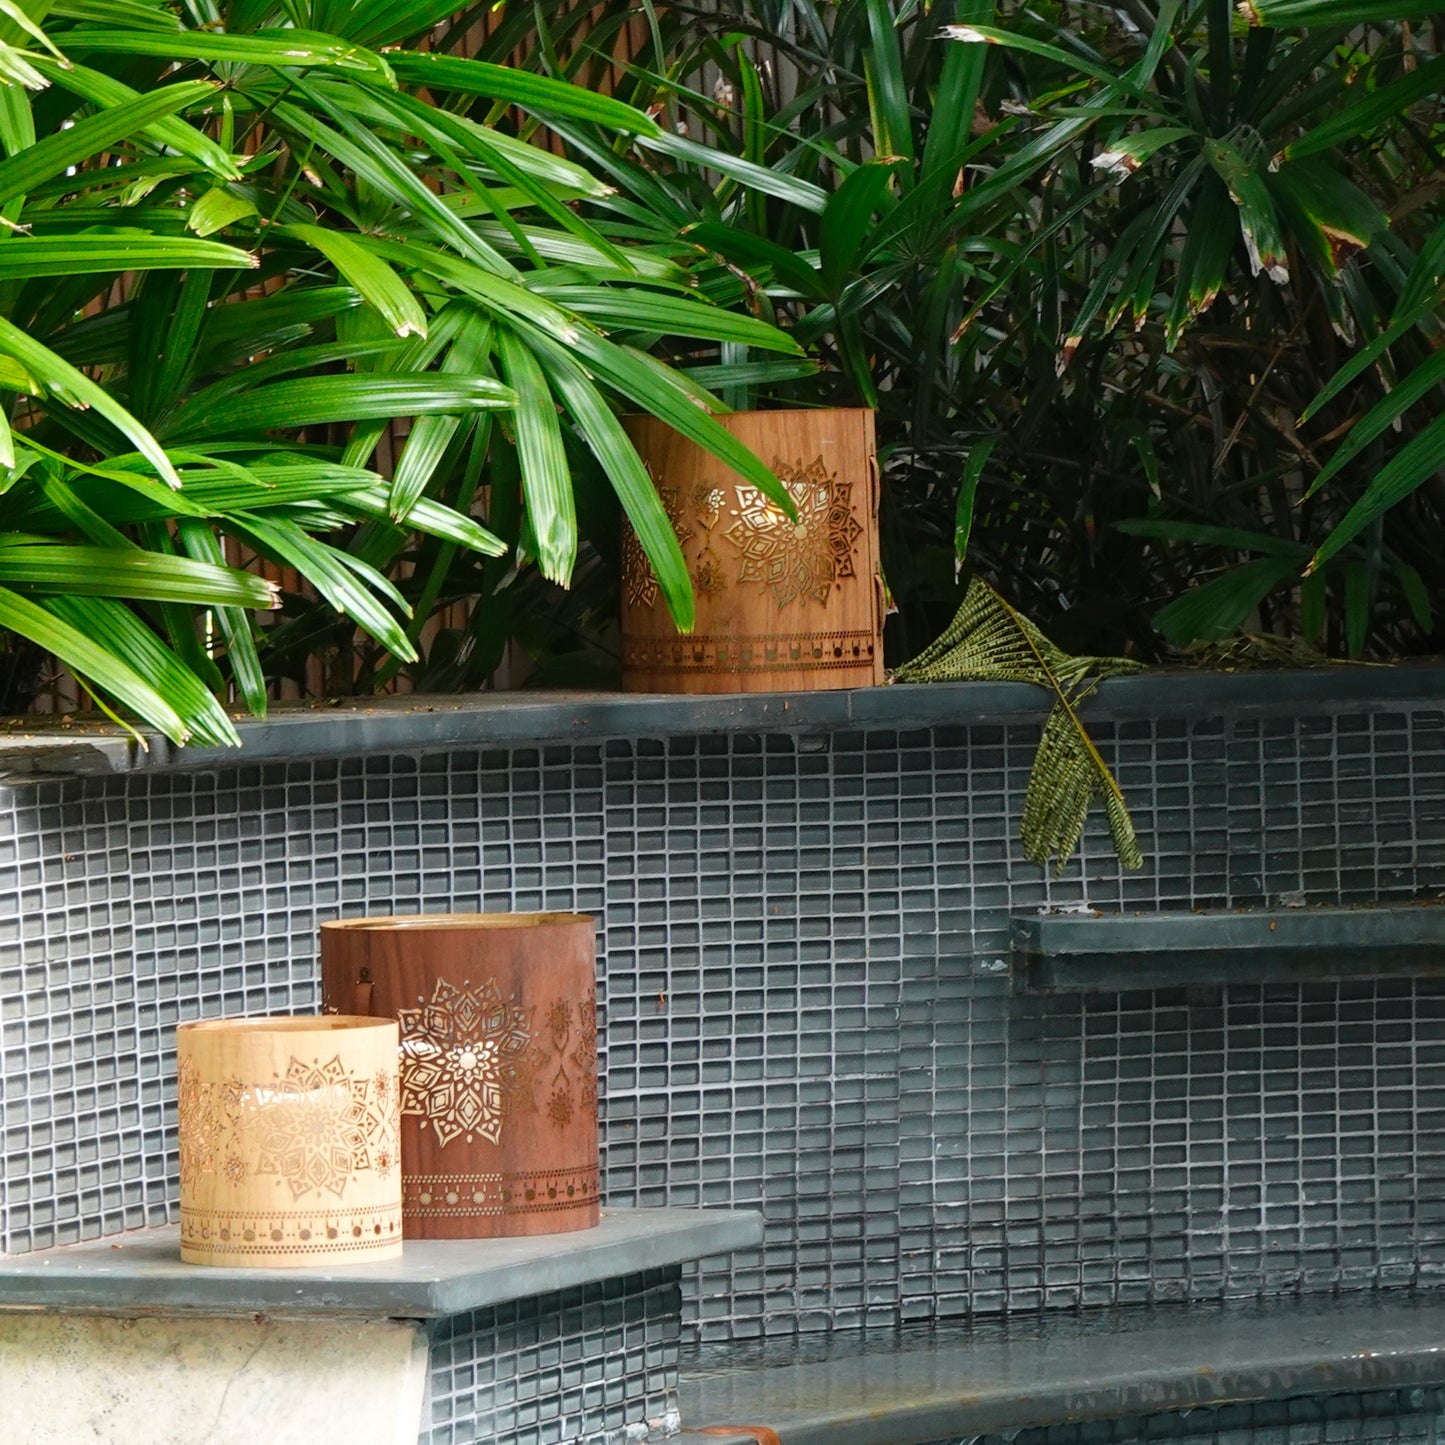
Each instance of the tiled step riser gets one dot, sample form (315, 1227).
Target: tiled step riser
(804, 943)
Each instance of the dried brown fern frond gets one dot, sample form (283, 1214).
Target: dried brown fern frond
(989, 641)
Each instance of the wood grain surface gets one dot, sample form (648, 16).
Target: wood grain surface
(289, 1141)
(498, 1017)
(781, 605)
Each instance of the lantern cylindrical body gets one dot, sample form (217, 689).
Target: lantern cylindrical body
(782, 604)
(289, 1143)
(498, 1016)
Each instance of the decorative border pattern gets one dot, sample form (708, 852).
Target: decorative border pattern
(532, 1191)
(258, 1233)
(762, 652)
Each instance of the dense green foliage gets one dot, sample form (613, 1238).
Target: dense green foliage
(1148, 297)
(232, 254)
(1146, 293)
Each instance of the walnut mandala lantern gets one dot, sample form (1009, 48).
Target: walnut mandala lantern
(498, 1039)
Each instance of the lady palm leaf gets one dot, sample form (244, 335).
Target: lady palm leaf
(989, 641)
(26, 257)
(1333, 12)
(371, 276)
(94, 660)
(198, 541)
(431, 436)
(55, 154)
(50, 376)
(293, 49)
(104, 90)
(202, 715)
(92, 571)
(449, 73)
(410, 254)
(313, 400)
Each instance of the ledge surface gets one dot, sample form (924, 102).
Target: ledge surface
(1088, 952)
(918, 1386)
(438, 724)
(142, 1274)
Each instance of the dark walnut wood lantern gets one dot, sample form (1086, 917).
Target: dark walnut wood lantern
(498, 1016)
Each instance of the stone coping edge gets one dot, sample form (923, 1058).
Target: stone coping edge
(141, 1273)
(1090, 951)
(439, 724)
(1140, 1361)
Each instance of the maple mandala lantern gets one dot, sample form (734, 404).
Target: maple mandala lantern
(781, 604)
(288, 1141)
(498, 1045)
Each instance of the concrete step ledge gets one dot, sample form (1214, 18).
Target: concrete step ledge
(141, 1273)
(1092, 952)
(34, 747)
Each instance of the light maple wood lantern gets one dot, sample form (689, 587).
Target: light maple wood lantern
(498, 1015)
(289, 1141)
(781, 605)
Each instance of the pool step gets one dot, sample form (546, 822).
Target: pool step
(945, 1384)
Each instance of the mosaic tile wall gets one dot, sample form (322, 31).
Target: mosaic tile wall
(801, 938)
(597, 1365)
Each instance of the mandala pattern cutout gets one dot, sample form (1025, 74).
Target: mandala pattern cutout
(709, 501)
(709, 576)
(802, 559)
(194, 1108)
(709, 579)
(313, 1128)
(639, 582)
(584, 1056)
(467, 1061)
(559, 1020)
(559, 1107)
(321, 1126)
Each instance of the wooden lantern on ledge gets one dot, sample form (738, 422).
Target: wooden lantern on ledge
(498, 1019)
(782, 605)
(288, 1141)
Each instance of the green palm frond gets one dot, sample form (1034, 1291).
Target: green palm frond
(416, 259)
(989, 641)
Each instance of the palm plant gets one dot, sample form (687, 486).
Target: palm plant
(1238, 203)
(311, 247)
(1402, 338)
(1053, 251)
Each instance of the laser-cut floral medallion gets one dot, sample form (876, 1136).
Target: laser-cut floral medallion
(802, 559)
(639, 580)
(322, 1126)
(467, 1061)
(289, 1140)
(471, 1062)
